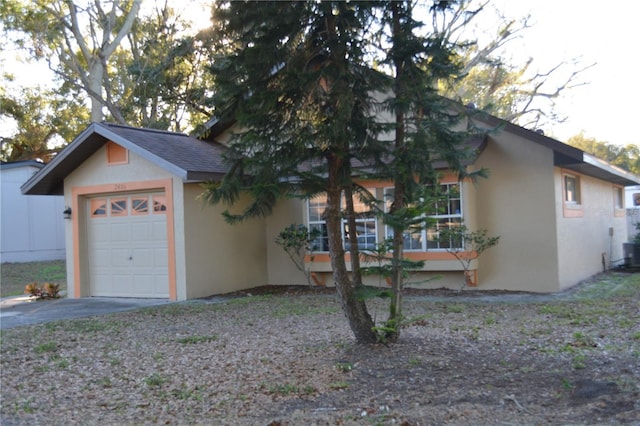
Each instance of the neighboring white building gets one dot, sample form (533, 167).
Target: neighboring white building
(32, 226)
(632, 197)
(632, 203)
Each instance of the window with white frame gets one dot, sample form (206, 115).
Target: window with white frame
(366, 224)
(571, 189)
(413, 240)
(316, 208)
(446, 214)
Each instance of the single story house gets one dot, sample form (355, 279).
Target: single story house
(32, 227)
(139, 229)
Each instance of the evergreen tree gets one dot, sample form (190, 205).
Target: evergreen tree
(293, 75)
(298, 78)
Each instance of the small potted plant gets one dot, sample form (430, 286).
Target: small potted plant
(631, 251)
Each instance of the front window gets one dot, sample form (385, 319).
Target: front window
(317, 223)
(447, 214)
(413, 240)
(366, 224)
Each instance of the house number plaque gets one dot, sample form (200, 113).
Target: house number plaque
(120, 186)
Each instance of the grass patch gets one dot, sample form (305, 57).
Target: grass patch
(610, 286)
(83, 326)
(344, 367)
(155, 380)
(15, 276)
(338, 385)
(244, 301)
(47, 347)
(178, 309)
(454, 309)
(192, 340)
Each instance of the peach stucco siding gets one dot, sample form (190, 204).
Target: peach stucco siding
(545, 245)
(590, 241)
(517, 203)
(220, 258)
(281, 269)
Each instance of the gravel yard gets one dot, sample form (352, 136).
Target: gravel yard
(289, 359)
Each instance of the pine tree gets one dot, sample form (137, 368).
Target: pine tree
(293, 75)
(299, 79)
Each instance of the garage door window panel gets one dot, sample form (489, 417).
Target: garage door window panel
(119, 207)
(98, 207)
(159, 204)
(140, 206)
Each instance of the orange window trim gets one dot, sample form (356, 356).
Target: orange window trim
(414, 255)
(446, 177)
(78, 194)
(116, 154)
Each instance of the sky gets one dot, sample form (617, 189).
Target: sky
(605, 34)
(602, 34)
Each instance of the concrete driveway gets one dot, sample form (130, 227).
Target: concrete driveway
(24, 310)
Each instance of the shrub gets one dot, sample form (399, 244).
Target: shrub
(33, 289)
(51, 290)
(47, 291)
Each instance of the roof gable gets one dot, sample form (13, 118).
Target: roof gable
(184, 156)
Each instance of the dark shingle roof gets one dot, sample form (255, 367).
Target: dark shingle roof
(186, 157)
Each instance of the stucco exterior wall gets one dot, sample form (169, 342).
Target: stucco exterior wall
(589, 242)
(281, 269)
(95, 172)
(220, 258)
(517, 203)
(32, 225)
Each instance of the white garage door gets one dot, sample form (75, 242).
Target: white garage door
(127, 245)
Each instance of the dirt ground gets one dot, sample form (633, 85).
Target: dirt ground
(490, 378)
(285, 356)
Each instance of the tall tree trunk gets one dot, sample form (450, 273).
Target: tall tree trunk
(339, 179)
(354, 249)
(94, 82)
(399, 194)
(97, 56)
(354, 309)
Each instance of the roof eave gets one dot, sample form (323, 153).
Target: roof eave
(592, 166)
(50, 179)
(567, 156)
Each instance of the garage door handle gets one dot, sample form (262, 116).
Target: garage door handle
(130, 257)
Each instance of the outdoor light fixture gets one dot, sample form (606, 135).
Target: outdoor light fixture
(66, 213)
